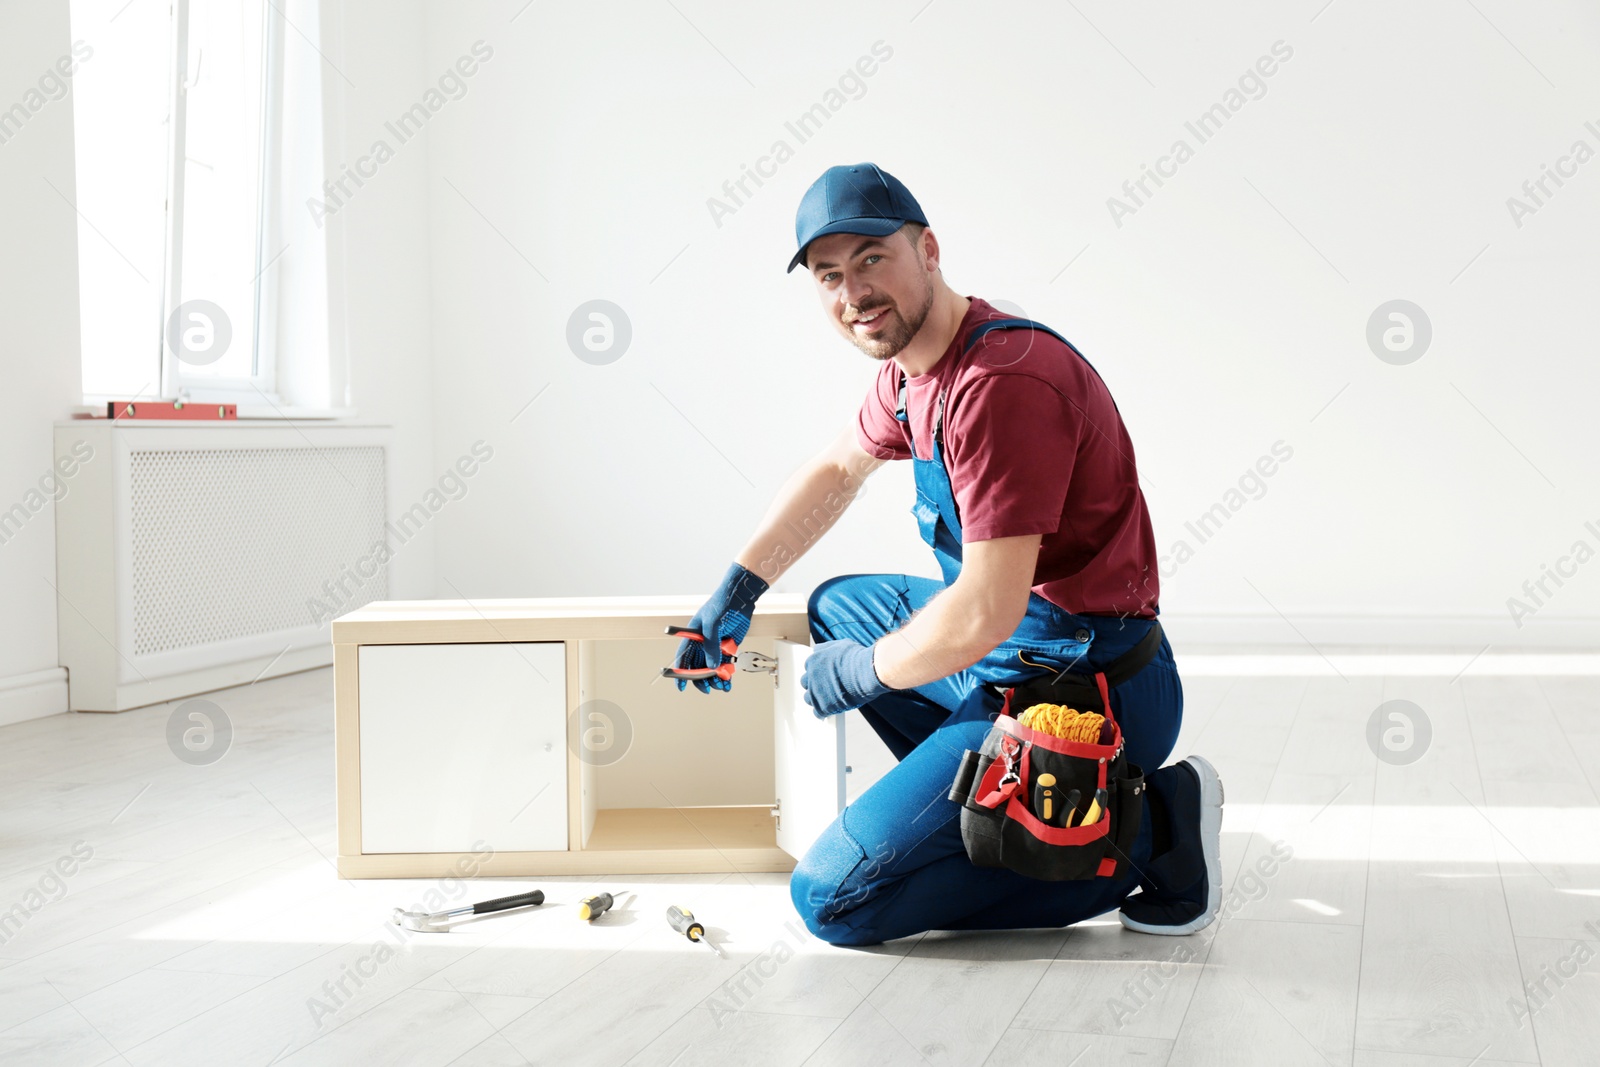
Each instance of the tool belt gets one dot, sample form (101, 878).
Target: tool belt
(1004, 803)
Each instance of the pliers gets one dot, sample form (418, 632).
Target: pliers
(744, 661)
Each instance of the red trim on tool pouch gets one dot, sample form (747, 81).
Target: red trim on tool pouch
(1057, 835)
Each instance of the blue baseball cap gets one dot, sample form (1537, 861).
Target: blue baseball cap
(861, 198)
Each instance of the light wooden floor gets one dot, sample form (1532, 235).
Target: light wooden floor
(208, 927)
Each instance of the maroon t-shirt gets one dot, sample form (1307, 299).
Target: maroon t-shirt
(1033, 444)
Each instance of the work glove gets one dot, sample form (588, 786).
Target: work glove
(726, 614)
(839, 676)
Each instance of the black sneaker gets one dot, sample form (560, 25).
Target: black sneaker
(1182, 888)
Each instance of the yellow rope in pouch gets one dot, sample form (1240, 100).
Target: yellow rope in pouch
(1058, 720)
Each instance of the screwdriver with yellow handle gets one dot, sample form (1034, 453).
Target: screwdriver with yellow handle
(591, 908)
(1044, 799)
(1097, 807)
(683, 921)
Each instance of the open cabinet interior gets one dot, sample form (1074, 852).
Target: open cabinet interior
(663, 769)
(751, 768)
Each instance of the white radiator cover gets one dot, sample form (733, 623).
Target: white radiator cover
(196, 555)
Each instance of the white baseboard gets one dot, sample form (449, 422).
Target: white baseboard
(1308, 631)
(33, 695)
(164, 688)
(1394, 663)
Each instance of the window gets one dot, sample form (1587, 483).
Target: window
(193, 120)
(220, 120)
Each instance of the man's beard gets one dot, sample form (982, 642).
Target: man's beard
(898, 333)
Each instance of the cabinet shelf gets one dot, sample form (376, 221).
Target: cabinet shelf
(725, 827)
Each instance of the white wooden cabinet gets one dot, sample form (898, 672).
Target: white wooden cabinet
(540, 732)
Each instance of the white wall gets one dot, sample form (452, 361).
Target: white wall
(378, 251)
(38, 349)
(1226, 312)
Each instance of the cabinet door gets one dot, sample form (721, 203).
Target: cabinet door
(809, 757)
(463, 745)
(867, 758)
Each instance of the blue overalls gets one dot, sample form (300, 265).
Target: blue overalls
(892, 864)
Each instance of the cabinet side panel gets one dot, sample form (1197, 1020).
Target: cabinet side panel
(347, 748)
(573, 664)
(588, 787)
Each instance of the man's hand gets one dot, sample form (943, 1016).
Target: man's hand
(839, 676)
(726, 614)
(965, 622)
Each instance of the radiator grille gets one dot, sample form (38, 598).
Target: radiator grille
(234, 542)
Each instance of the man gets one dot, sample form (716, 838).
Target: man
(1028, 494)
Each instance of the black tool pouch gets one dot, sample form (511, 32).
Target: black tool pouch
(1004, 822)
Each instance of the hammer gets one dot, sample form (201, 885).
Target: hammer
(439, 921)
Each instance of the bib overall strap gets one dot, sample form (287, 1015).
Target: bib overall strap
(978, 331)
(1023, 324)
(938, 415)
(938, 412)
(1012, 324)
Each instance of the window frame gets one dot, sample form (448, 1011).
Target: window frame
(261, 383)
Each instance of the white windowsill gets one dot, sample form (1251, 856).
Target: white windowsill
(265, 412)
